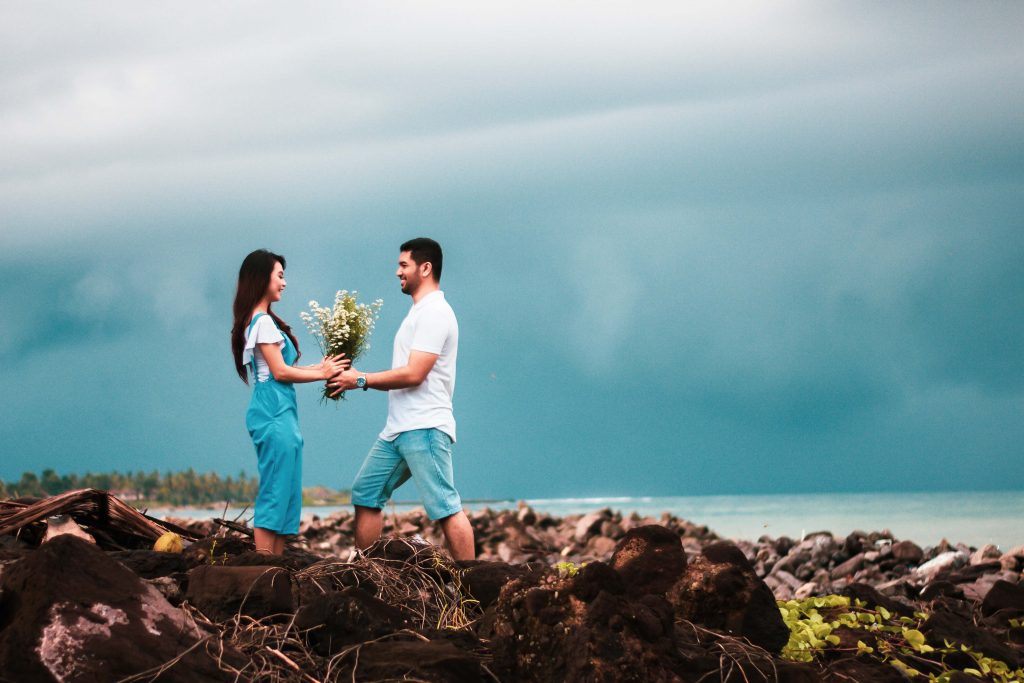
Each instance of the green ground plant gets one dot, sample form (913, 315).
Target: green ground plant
(818, 625)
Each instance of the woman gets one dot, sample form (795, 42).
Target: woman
(263, 343)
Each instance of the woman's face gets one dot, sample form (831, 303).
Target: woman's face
(277, 283)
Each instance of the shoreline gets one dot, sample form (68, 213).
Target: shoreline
(973, 518)
(815, 564)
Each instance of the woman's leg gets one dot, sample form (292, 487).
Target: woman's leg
(278, 544)
(266, 541)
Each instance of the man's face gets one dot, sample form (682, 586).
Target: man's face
(408, 273)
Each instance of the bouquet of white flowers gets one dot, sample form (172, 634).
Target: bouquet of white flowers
(344, 328)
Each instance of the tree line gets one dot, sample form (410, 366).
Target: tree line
(170, 488)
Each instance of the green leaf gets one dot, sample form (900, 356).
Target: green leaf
(916, 640)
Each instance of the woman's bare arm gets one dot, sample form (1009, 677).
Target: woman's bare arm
(283, 372)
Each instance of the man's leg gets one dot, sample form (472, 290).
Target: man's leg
(369, 524)
(382, 472)
(428, 454)
(459, 534)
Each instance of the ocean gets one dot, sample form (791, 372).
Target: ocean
(974, 518)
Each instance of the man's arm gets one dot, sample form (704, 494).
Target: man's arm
(410, 375)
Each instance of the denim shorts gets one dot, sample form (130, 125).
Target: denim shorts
(425, 455)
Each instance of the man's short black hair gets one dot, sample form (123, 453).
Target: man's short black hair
(425, 250)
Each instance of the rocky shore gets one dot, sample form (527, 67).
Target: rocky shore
(595, 597)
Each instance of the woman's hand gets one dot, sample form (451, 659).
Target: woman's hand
(332, 366)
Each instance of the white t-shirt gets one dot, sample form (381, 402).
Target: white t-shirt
(263, 332)
(430, 326)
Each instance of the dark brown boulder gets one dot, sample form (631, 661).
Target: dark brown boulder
(650, 559)
(341, 618)
(720, 590)
(395, 660)
(151, 564)
(70, 612)
(596, 577)
(221, 592)
(907, 552)
(254, 558)
(547, 627)
(12, 548)
(872, 599)
(863, 670)
(792, 672)
(942, 626)
(941, 589)
(215, 550)
(292, 559)
(484, 580)
(1004, 596)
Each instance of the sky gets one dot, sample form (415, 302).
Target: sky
(692, 247)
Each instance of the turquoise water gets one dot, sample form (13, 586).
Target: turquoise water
(975, 518)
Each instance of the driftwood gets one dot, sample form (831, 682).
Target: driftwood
(99, 511)
(234, 526)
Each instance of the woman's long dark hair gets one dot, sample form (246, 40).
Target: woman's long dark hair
(253, 279)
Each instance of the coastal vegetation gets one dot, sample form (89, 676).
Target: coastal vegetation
(824, 627)
(142, 489)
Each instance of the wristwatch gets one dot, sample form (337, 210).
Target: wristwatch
(361, 382)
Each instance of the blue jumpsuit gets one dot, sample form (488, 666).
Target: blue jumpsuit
(273, 423)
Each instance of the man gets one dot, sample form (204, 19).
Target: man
(420, 430)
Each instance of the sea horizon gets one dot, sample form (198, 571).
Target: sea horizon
(974, 518)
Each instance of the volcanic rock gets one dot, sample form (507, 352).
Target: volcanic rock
(864, 670)
(848, 567)
(215, 550)
(872, 599)
(151, 564)
(72, 613)
(720, 590)
(221, 592)
(345, 617)
(984, 554)
(484, 580)
(293, 559)
(650, 559)
(941, 589)
(943, 625)
(907, 551)
(1004, 596)
(601, 546)
(948, 560)
(433, 661)
(1013, 559)
(588, 524)
(548, 627)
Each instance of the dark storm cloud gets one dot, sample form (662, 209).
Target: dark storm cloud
(694, 247)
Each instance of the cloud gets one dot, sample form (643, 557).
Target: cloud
(745, 230)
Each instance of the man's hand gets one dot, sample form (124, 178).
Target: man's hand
(343, 382)
(411, 375)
